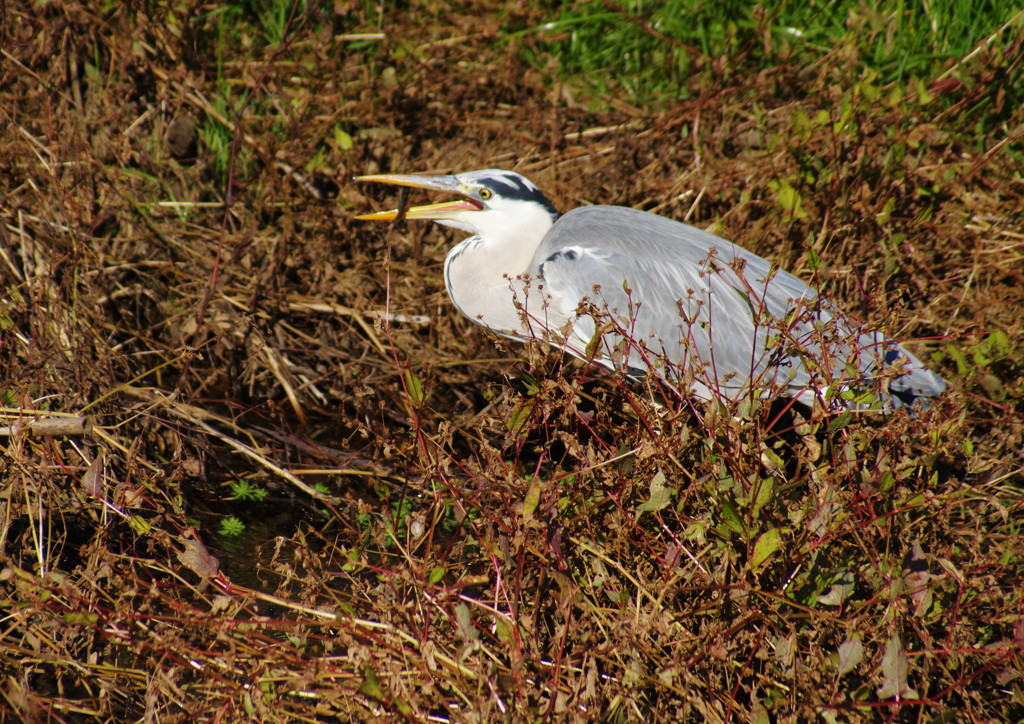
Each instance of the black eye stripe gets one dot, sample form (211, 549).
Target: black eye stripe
(514, 187)
(517, 187)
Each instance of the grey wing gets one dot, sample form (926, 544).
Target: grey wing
(637, 290)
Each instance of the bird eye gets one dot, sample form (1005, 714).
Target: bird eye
(486, 194)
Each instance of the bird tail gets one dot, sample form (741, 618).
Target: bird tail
(905, 379)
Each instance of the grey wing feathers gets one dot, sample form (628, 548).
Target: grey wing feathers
(722, 316)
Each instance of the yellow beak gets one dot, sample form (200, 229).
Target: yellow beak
(443, 210)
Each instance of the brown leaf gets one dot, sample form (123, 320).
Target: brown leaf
(851, 652)
(196, 558)
(92, 481)
(916, 578)
(894, 672)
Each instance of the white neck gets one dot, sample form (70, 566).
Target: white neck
(484, 273)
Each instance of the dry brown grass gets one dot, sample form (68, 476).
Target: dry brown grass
(496, 533)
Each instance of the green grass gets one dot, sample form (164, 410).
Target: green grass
(643, 52)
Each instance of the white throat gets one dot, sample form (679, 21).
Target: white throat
(484, 273)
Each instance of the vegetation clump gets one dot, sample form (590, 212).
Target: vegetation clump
(256, 467)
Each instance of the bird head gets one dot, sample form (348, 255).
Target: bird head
(491, 202)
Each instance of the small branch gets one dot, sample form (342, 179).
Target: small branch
(50, 426)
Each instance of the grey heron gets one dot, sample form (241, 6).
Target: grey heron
(633, 291)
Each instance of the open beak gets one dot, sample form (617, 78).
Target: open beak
(443, 210)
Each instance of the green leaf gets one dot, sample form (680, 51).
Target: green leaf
(436, 574)
(531, 500)
(789, 200)
(343, 139)
(842, 588)
(415, 389)
(660, 494)
(923, 96)
(959, 358)
(231, 527)
(530, 383)
(802, 125)
(895, 96)
(503, 630)
(767, 545)
(139, 525)
(839, 422)
(521, 413)
(81, 619)
(371, 685)
(762, 496)
(464, 623)
(731, 519)
(813, 260)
